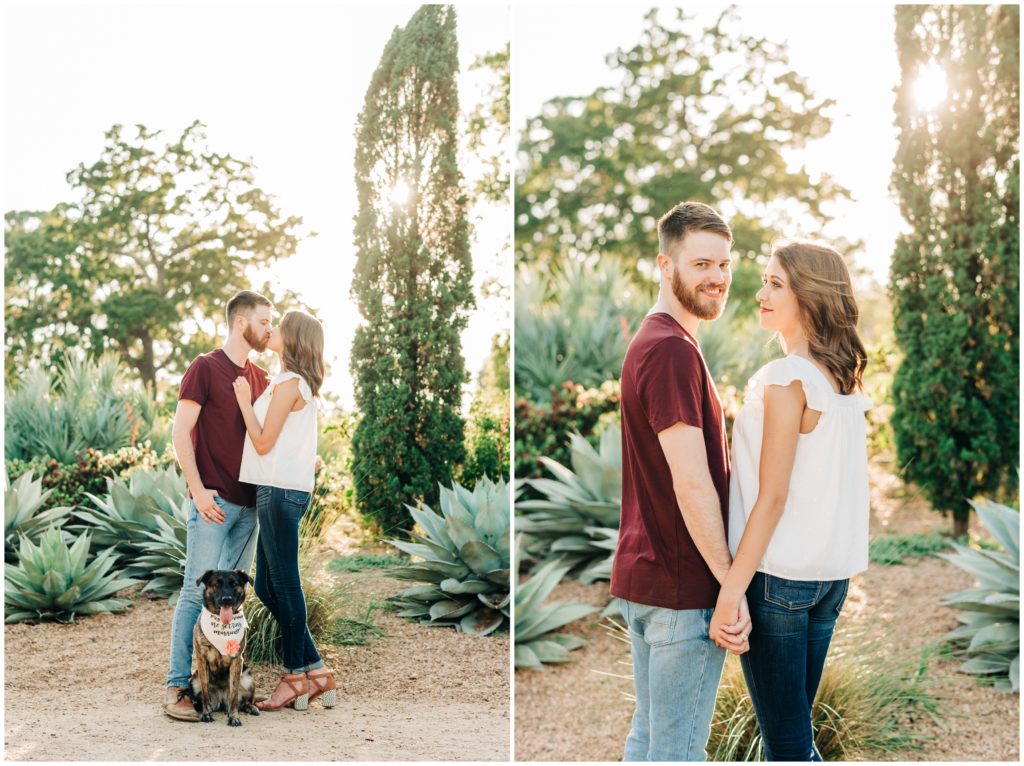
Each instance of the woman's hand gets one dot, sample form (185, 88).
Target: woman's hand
(730, 624)
(242, 392)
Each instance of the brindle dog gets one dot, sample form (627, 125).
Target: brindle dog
(221, 682)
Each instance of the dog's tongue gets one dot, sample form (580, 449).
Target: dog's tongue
(226, 615)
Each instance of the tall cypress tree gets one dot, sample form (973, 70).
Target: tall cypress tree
(412, 276)
(955, 275)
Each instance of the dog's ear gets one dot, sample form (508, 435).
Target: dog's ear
(245, 576)
(205, 579)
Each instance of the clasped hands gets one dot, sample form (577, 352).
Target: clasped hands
(730, 624)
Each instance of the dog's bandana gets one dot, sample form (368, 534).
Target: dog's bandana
(227, 638)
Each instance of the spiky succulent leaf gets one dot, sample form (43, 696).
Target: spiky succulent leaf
(535, 620)
(464, 553)
(990, 634)
(57, 583)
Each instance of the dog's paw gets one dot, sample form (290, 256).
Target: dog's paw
(206, 718)
(233, 721)
(251, 710)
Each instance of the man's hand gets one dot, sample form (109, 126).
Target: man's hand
(207, 507)
(730, 624)
(242, 392)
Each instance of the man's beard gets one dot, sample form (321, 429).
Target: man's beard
(258, 342)
(702, 308)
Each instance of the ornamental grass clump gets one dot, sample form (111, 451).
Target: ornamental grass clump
(464, 556)
(54, 582)
(332, 614)
(989, 637)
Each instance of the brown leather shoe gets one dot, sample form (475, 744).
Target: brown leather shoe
(322, 685)
(180, 706)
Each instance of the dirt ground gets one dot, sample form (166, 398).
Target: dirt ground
(580, 711)
(93, 691)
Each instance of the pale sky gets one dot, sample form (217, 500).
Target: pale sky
(846, 52)
(282, 85)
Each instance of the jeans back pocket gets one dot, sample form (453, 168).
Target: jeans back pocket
(791, 594)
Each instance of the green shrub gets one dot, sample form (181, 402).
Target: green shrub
(893, 549)
(53, 582)
(543, 429)
(487, 449)
(90, 404)
(71, 483)
(535, 641)
(333, 615)
(464, 555)
(577, 520)
(990, 635)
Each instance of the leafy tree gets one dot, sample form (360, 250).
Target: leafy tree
(487, 131)
(955, 274)
(412, 275)
(697, 114)
(160, 238)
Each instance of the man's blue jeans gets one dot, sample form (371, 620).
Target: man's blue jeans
(792, 628)
(208, 546)
(277, 573)
(676, 670)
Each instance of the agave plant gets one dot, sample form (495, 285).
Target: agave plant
(91, 403)
(129, 514)
(464, 556)
(990, 633)
(535, 643)
(578, 520)
(161, 558)
(22, 515)
(52, 581)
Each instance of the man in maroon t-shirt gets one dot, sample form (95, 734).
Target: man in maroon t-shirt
(672, 552)
(208, 437)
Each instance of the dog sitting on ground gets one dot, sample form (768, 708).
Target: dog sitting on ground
(221, 681)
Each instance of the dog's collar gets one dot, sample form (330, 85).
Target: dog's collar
(227, 638)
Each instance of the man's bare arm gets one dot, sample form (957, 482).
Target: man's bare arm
(696, 496)
(185, 418)
(701, 509)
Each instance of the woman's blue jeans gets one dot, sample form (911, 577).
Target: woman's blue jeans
(277, 573)
(792, 628)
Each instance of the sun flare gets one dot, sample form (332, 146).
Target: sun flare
(929, 88)
(400, 192)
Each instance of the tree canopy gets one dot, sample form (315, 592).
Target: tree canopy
(160, 236)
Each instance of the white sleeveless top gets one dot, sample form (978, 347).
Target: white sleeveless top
(823, 531)
(289, 464)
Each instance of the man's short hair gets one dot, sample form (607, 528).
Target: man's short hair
(244, 302)
(686, 217)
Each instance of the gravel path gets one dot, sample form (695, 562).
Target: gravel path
(93, 690)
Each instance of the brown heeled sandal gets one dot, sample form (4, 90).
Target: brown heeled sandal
(298, 685)
(325, 687)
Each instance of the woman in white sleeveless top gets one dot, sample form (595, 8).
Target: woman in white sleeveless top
(798, 497)
(278, 457)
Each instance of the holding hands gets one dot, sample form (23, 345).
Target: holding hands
(730, 624)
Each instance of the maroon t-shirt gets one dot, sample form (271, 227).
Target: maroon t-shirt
(664, 381)
(219, 433)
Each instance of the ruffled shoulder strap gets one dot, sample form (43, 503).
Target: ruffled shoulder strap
(304, 389)
(782, 372)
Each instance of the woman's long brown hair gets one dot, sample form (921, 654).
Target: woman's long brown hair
(820, 279)
(303, 339)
